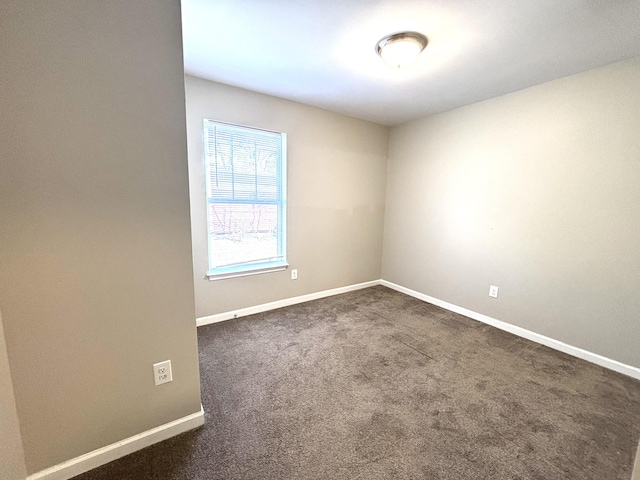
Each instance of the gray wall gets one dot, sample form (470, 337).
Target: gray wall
(336, 181)
(95, 249)
(537, 192)
(12, 465)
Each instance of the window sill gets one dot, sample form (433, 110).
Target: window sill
(245, 273)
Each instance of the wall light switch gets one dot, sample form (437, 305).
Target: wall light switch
(493, 291)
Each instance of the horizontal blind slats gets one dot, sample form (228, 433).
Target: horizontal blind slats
(244, 195)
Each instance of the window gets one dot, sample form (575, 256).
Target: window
(246, 199)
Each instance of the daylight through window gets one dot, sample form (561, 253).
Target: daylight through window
(246, 190)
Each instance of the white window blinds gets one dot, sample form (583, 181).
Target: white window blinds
(246, 187)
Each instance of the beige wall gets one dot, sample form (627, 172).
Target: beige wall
(636, 468)
(537, 192)
(95, 249)
(11, 454)
(336, 182)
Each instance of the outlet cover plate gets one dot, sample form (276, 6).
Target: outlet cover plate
(162, 372)
(493, 291)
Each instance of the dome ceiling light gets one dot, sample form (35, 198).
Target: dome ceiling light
(401, 49)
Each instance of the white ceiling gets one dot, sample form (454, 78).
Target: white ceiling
(321, 52)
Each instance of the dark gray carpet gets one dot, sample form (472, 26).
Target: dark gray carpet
(374, 384)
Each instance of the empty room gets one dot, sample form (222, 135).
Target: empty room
(392, 239)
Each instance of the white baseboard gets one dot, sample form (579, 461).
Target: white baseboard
(101, 456)
(221, 317)
(507, 327)
(524, 333)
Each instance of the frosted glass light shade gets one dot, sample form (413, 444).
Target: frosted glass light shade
(401, 49)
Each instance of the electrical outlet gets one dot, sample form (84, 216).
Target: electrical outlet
(294, 274)
(162, 372)
(493, 291)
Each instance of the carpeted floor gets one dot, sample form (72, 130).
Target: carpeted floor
(374, 384)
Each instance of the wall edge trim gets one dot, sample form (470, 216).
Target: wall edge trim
(591, 357)
(242, 312)
(104, 455)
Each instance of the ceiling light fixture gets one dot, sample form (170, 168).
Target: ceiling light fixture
(401, 49)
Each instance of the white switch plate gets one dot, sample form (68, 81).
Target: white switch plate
(493, 291)
(294, 274)
(162, 372)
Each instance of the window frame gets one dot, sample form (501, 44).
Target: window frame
(252, 267)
